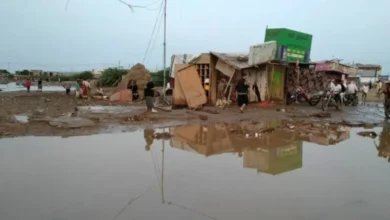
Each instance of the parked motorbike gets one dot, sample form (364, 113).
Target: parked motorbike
(351, 99)
(300, 96)
(329, 101)
(315, 98)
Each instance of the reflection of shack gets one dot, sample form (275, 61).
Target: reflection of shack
(274, 153)
(274, 160)
(206, 140)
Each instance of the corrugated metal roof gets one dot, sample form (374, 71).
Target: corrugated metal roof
(366, 73)
(236, 60)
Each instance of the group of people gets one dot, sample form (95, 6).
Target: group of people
(28, 84)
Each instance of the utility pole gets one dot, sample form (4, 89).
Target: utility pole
(8, 65)
(165, 45)
(119, 64)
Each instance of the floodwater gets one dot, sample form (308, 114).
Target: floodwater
(203, 172)
(12, 87)
(109, 109)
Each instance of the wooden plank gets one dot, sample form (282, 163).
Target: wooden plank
(178, 95)
(225, 68)
(191, 86)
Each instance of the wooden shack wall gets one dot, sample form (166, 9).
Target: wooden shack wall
(213, 80)
(178, 98)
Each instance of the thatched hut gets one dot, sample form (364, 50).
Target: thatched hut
(137, 73)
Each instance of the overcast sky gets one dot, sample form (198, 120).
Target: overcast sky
(41, 34)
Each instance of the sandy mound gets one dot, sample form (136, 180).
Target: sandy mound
(139, 73)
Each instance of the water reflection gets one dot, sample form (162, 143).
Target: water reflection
(384, 142)
(274, 152)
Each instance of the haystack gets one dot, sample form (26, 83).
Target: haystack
(140, 74)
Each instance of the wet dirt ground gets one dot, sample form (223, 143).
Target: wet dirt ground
(216, 171)
(50, 113)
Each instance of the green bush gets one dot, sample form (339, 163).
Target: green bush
(158, 77)
(111, 76)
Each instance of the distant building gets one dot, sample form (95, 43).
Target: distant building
(36, 72)
(368, 72)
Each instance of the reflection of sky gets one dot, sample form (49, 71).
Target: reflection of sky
(95, 177)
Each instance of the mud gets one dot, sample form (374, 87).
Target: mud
(54, 113)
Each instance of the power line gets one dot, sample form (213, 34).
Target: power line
(135, 6)
(154, 28)
(155, 39)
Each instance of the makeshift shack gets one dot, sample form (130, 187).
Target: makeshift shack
(333, 69)
(262, 74)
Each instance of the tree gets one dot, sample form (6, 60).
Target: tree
(4, 71)
(25, 73)
(158, 77)
(85, 75)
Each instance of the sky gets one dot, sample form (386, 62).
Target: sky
(95, 34)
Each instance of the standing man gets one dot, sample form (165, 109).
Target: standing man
(242, 93)
(337, 89)
(39, 85)
(352, 89)
(149, 94)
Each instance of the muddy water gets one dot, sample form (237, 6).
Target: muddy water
(206, 172)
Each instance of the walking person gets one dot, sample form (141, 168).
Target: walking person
(365, 89)
(40, 85)
(28, 84)
(242, 93)
(149, 95)
(379, 88)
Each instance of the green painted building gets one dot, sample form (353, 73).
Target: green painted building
(292, 45)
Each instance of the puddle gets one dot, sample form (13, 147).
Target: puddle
(109, 109)
(21, 118)
(203, 172)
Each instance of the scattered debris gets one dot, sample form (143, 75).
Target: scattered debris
(370, 134)
(71, 122)
(211, 111)
(163, 136)
(267, 130)
(321, 115)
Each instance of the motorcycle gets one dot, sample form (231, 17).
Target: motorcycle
(329, 101)
(300, 96)
(351, 99)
